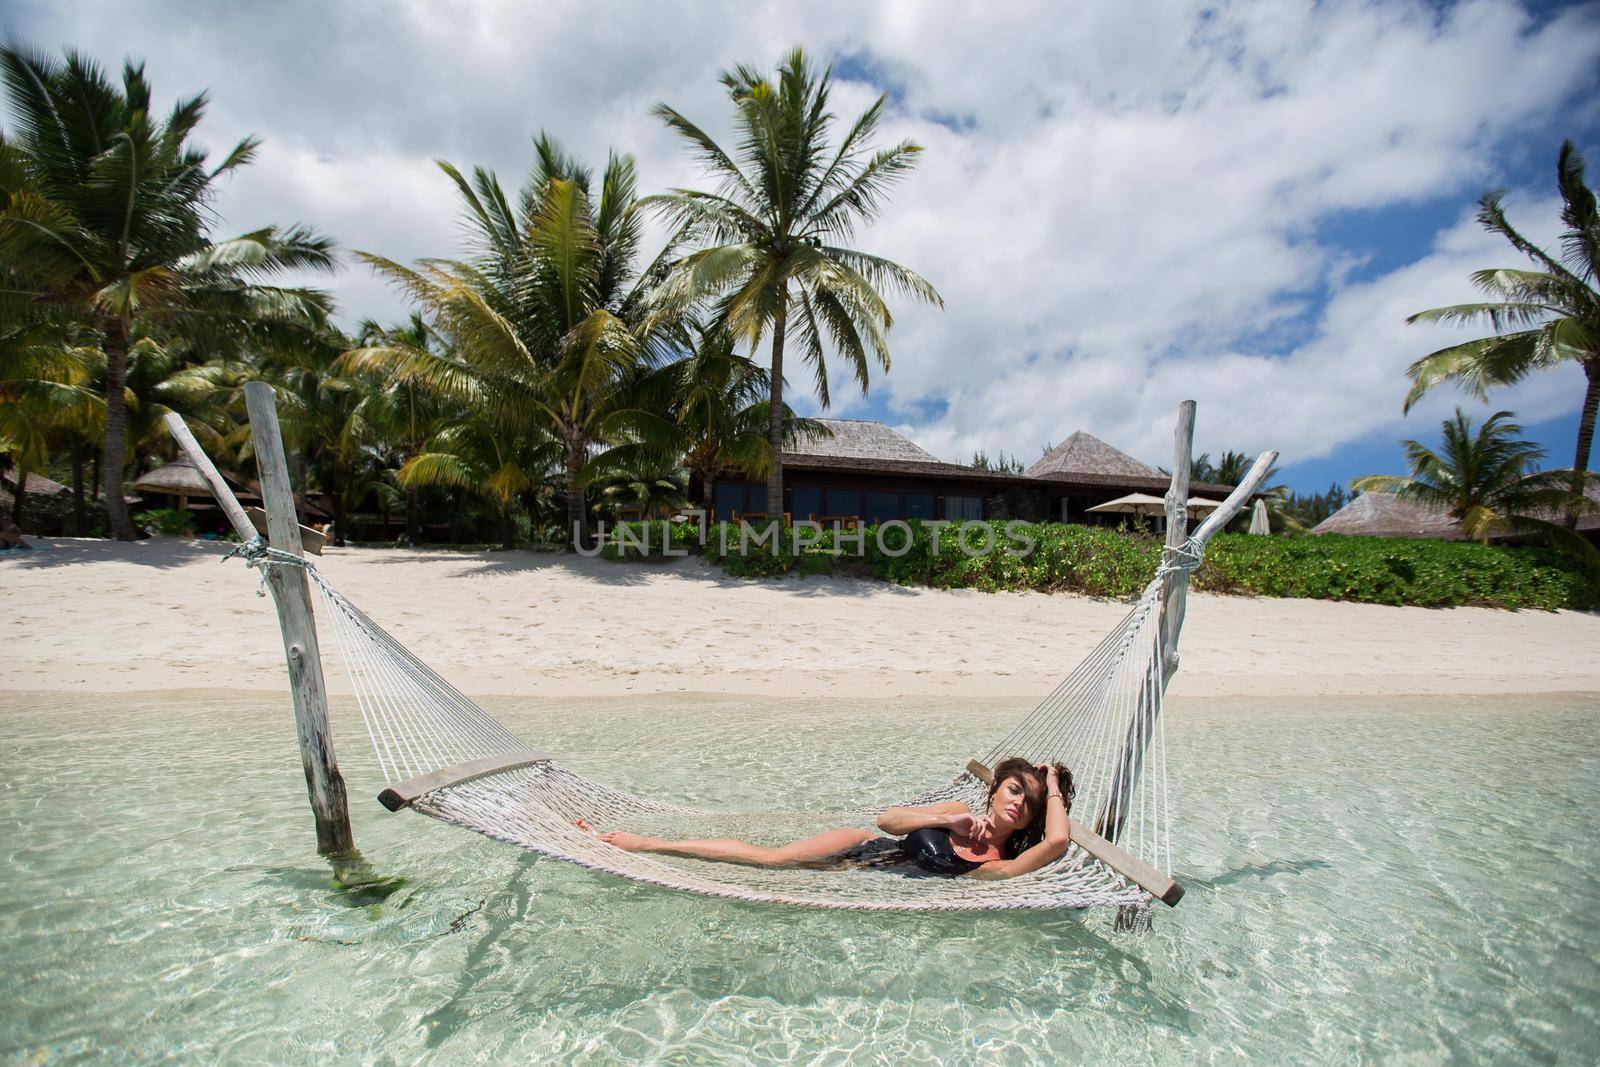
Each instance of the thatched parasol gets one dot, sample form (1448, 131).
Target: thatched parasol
(183, 480)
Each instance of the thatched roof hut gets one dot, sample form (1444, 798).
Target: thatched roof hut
(866, 469)
(1084, 453)
(859, 439)
(35, 485)
(1374, 514)
(867, 447)
(181, 479)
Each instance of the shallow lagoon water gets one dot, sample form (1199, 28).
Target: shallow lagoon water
(1368, 881)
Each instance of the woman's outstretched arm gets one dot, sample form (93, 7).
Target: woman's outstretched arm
(947, 815)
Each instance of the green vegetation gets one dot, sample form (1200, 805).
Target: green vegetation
(104, 212)
(1100, 561)
(1487, 480)
(169, 522)
(773, 256)
(1542, 318)
(551, 373)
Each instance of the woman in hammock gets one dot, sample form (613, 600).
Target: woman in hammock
(1023, 828)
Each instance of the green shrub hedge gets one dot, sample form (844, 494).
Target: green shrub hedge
(1099, 561)
(171, 522)
(1378, 570)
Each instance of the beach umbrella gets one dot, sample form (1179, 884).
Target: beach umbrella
(1199, 505)
(1258, 518)
(1134, 504)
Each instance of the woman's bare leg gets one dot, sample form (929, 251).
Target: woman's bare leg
(731, 850)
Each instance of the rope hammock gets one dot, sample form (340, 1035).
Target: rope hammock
(446, 757)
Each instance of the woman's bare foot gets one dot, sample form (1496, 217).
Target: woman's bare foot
(630, 842)
(620, 838)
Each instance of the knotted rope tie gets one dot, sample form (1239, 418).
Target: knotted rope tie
(259, 555)
(1187, 557)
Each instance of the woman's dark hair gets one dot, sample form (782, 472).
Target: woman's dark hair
(1033, 784)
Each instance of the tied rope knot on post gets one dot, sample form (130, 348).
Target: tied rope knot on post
(259, 555)
(1185, 557)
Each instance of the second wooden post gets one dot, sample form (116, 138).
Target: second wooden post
(291, 591)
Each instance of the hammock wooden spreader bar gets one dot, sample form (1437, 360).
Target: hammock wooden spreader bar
(406, 793)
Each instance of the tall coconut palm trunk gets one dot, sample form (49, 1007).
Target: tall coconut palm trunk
(508, 527)
(336, 502)
(79, 512)
(116, 443)
(577, 518)
(19, 501)
(780, 322)
(1580, 462)
(412, 533)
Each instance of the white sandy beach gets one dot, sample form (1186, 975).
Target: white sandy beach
(96, 616)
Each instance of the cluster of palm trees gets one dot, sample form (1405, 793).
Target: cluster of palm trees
(1487, 477)
(550, 368)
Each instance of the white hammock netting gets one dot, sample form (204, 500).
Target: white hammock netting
(1104, 721)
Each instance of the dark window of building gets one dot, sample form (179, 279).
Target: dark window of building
(844, 502)
(919, 505)
(962, 508)
(881, 507)
(807, 504)
(729, 498)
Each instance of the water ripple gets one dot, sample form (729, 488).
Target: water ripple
(1367, 881)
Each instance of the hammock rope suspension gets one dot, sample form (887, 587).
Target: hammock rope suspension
(1104, 721)
(446, 757)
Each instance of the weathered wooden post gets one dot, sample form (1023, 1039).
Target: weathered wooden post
(1175, 590)
(291, 591)
(1174, 604)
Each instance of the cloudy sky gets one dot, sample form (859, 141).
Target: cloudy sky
(1123, 204)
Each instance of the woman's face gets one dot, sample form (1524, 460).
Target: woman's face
(1012, 805)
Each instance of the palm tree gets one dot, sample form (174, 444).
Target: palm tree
(400, 409)
(474, 455)
(651, 490)
(316, 408)
(1229, 470)
(46, 399)
(546, 326)
(1488, 481)
(1541, 318)
(104, 208)
(783, 199)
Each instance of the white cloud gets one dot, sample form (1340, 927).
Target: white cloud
(1128, 193)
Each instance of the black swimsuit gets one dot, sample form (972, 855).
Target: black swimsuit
(929, 849)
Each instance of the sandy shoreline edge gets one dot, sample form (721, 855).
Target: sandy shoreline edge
(163, 615)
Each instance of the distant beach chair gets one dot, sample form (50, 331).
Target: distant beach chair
(838, 522)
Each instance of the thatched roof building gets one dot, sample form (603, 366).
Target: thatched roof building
(36, 484)
(1084, 453)
(180, 478)
(1374, 514)
(1386, 515)
(183, 482)
(867, 470)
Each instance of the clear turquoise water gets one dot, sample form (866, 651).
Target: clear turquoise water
(1368, 881)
